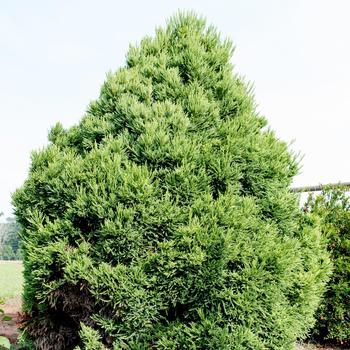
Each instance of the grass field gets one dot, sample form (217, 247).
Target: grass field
(10, 279)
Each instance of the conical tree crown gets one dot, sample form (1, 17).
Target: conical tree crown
(163, 219)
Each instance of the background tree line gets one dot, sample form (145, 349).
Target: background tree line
(9, 240)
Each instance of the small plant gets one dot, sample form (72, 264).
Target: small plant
(333, 316)
(4, 342)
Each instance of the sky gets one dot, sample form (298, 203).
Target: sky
(54, 56)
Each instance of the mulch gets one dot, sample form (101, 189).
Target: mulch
(9, 328)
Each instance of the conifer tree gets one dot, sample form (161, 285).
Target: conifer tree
(333, 315)
(163, 220)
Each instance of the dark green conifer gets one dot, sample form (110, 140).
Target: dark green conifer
(333, 315)
(163, 220)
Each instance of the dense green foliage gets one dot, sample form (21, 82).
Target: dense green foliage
(9, 240)
(333, 316)
(164, 220)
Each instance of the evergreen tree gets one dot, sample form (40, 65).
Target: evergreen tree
(333, 315)
(163, 220)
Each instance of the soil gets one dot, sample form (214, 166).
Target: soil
(315, 347)
(318, 347)
(8, 329)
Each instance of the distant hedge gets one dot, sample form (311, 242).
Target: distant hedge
(9, 240)
(333, 317)
(164, 219)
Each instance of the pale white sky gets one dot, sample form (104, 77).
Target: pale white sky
(54, 56)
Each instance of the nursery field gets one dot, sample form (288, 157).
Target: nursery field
(10, 279)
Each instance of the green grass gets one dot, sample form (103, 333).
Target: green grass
(11, 279)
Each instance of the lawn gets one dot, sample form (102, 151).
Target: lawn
(11, 279)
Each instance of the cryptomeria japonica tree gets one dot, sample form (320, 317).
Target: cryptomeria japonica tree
(163, 220)
(333, 315)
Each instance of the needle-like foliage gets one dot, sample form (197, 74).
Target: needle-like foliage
(333, 316)
(163, 220)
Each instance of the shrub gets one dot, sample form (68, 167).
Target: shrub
(333, 316)
(163, 220)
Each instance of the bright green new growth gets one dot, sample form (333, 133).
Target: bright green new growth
(163, 220)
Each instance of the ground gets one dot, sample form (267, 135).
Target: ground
(10, 292)
(9, 328)
(11, 281)
(314, 347)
